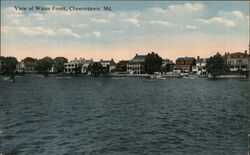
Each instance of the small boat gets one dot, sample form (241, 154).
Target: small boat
(9, 79)
(189, 77)
(157, 77)
(162, 78)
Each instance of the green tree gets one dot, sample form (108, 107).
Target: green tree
(44, 64)
(216, 65)
(153, 63)
(8, 64)
(95, 68)
(59, 63)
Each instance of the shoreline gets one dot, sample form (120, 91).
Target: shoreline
(128, 75)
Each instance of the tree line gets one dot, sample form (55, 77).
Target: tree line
(216, 65)
(8, 64)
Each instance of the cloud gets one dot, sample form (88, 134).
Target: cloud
(104, 21)
(12, 12)
(187, 7)
(4, 29)
(192, 27)
(234, 15)
(96, 34)
(238, 14)
(133, 21)
(79, 25)
(157, 10)
(35, 31)
(69, 32)
(37, 16)
(118, 32)
(159, 23)
(219, 20)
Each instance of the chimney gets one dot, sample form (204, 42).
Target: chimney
(136, 54)
(245, 51)
(198, 57)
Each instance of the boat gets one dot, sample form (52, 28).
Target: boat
(189, 77)
(157, 76)
(9, 78)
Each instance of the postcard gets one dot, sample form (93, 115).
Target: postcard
(124, 77)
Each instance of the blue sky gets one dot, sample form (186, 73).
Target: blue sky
(172, 29)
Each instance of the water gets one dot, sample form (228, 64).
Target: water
(100, 115)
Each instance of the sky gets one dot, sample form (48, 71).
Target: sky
(171, 29)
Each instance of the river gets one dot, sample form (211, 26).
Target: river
(101, 115)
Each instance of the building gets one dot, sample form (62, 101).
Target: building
(86, 65)
(74, 66)
(200, 67)
(167, 66)
(108, 65)
(237, 61)
(26, 66)
(121, 66)
(185, 64)
(136, 65)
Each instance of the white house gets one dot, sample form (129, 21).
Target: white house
(73, 65)
(136, 65)
(85, 65)
(26, 67)
(108, 65)
(200, 67)
(237, 61)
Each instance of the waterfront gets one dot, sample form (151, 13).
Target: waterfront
(100, 115)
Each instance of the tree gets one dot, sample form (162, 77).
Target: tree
(95, 68)
(59, 63)
(153, 63)
(8, 64)
(29, 59)
(216, 66)
(44, 64)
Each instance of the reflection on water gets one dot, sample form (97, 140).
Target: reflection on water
(100, 115)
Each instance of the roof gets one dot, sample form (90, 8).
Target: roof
(29, 63)
(111, 62)
(187, 59)
(237, 55)
(201, 60)
(139, 58)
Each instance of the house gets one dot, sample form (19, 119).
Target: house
(137, 65)
(167, 65)
(85, 65)
(185, 64)
(108, 65)
(200, 67)
(74, 66)
(121, 66)
(26, 66)
(237, 61)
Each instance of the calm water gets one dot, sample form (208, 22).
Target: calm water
(87, 115)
